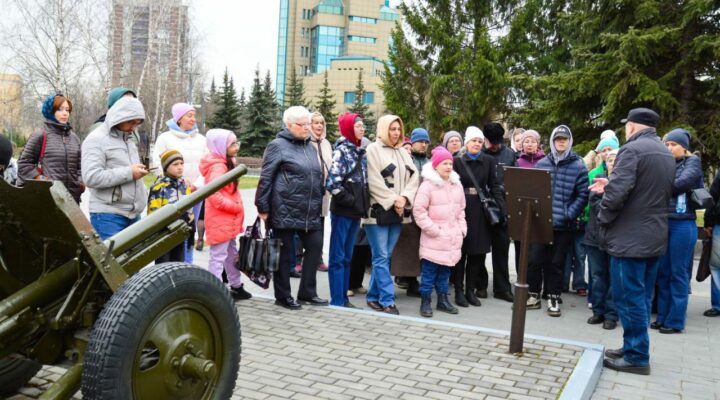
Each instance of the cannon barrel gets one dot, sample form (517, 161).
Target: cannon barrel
(161, 218)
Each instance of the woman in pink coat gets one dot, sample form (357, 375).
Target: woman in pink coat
(224, 210)
(439, 211)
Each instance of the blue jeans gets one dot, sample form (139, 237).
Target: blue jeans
(382, 239)
(575, 263)
(715, 289)
(434, 276)
(108, 224)
(344, 231)
(672, 276)
(633, 281)
(601, 294)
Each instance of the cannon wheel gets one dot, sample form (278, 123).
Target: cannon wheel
(16, 372)
(170, 332)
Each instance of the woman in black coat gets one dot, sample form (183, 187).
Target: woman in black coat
(477, 241)
(289, 198)
(53, 152)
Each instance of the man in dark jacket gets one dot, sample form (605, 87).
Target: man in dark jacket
(289, 197)
(347, 182)
(499, 237)
(569, 184)
(633, 219)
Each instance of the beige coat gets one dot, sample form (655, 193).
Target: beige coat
(405, 178)
(325, 154)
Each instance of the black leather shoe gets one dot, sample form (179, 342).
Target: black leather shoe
(507, 296)
(239, 293)
(288, 303)
(460, 299)
(614, 353)
(712, 313)
(295, 274)
(620, 365)
(391, 309)
(315, 301)
(655, 325)
(669, 330)
(609, 324)
(595, 319)
(481, 293)
(375, 305)
(471, 298)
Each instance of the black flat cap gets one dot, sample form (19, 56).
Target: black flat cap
(643, 116)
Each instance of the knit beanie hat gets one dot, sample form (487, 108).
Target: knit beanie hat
(47, 108)
(5, 151)
(473, 132)
(419, 134)
(180, 109)
(679, 136)
(168, 157)
(530, 133)
(440, 154)
(494, 132)
(346, 123)
(407, 141)
(610, 141)
(116, 94)
(607, 133)
(449, 135)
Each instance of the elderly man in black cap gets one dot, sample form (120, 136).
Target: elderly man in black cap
(633, 217)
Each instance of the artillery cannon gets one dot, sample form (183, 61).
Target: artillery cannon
(129, 330)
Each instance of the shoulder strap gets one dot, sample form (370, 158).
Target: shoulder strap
(474, 181)
(44, 144)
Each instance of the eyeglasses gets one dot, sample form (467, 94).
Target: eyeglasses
(359, 126)
(305, 125)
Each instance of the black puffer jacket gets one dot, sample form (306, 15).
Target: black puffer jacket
(633, 213)
(61, 161)
(505, 157)
(291, 188)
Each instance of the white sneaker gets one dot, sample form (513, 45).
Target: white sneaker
(553, 307)
(350, 293)
(533, 301)
(590, 306)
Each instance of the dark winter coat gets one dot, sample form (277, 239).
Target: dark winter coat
(291, 189)
(592, 229)
(505, 157)
(712, 216)
(688, 176)
(477, 240)
(61, 161)
(569, 186)
(633, 213)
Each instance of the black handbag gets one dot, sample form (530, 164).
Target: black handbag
(491, 209)
(700, 199)
(703, 270)
(385, 217)
(258, 255)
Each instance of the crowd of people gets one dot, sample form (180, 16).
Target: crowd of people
(413, 213)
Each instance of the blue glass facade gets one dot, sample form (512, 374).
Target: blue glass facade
(282, 51)
(368, 98)
(361, 39)
(327, 42)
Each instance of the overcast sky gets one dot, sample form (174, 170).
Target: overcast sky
(239, 34)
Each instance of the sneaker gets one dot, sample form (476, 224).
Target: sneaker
(295, 274)
(322, 267)
(350, 293)
(590, 306)
(533, 302)
(239, 293)
(349, 305)
(401, 283)
(360, 290)
(553, 307)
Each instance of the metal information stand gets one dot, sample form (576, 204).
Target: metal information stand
(529, 208)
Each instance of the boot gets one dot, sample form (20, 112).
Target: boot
(460, 299)
(443, 304)
(471, 298)
(426, 306)
(413, 289)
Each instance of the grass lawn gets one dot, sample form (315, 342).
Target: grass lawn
(246, 182)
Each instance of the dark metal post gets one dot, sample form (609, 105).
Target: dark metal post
(517, 329)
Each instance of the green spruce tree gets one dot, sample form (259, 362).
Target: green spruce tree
(227, 112)
(262, 116)
(360, 107)
(325, 105)
(295, 92)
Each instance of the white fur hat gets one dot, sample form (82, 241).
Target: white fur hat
(473, 132)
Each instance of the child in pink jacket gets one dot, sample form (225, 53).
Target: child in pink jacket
(439, 211)
(224, 210)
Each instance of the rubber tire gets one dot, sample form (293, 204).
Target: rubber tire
(129, 312)
(15, 373)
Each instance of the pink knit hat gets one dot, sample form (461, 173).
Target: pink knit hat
(440, 154)
(180, 109)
